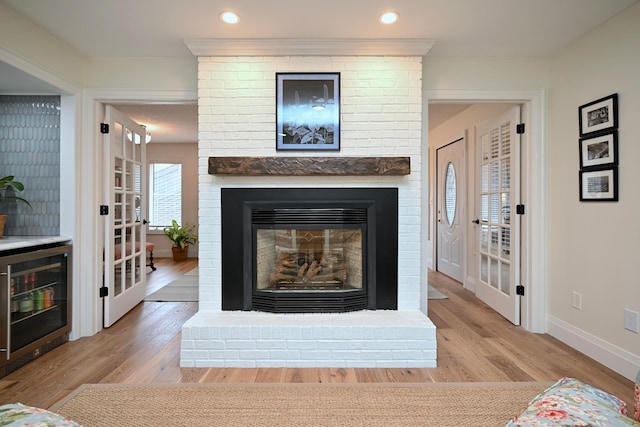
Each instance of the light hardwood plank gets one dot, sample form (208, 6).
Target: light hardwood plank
(474, 344)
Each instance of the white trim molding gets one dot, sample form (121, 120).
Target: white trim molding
(620, 360)
(309, 47)
(58, 84)
(138, 96)
(534, 305)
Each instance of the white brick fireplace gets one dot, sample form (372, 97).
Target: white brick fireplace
(381, 115)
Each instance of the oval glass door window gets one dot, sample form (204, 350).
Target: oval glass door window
(450, 193)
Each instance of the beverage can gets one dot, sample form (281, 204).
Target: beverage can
(38, 300)
(48, 297)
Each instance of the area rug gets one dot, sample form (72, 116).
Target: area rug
(317, 405)
(433, 293)
(184, 288)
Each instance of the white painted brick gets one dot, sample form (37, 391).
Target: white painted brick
(266, 343)
(209, 344)
(316, 355)
(346, 355)
(254, 355)
(194, 354)
(406, 355)
(224, 354)
(240, 344)
(302, 344)
(284, 355)
(333, 344)
(366, 364)
(381, 115)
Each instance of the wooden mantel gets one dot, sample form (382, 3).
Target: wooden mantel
(309, 166)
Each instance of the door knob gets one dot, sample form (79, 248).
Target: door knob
(476, 221)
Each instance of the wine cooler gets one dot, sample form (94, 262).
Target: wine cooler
(35, 304)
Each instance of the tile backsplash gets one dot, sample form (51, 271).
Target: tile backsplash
(30, 150)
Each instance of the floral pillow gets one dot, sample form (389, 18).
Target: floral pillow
(636, 399)
(570, 402)
(17, 414)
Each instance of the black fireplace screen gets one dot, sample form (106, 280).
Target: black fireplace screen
(309, 259)
(295, 250)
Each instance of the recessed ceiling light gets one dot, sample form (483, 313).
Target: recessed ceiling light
(389, 17)
(229, 17)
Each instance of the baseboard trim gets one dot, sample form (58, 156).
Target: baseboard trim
(470, 284)
(618, 359)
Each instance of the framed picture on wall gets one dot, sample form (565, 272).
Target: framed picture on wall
(599, 185)
(599, 116)
(599, 150)
(308, 111)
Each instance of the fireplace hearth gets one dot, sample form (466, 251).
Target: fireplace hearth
(309, 250)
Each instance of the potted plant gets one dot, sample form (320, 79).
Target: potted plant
(182, 236)
(8, 190)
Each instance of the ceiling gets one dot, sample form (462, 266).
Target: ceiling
(158, 28)
(165, 122)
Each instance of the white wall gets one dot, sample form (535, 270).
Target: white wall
(168, 76)
(487, 74)
(26, 46)
(380, 116)
(187, 155)
(593, 247)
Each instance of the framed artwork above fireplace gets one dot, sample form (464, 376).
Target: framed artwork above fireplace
(308, 111)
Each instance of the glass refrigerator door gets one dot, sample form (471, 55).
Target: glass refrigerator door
(37, 298)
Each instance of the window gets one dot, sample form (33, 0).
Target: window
(165, 194)
(451, 194)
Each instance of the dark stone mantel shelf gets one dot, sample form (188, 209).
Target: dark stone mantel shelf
(309, 166)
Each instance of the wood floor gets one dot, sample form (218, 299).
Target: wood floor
(474, 344)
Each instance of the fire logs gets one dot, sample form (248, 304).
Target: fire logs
(297, 269)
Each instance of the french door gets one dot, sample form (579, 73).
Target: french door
(498, 227)
(125, 238)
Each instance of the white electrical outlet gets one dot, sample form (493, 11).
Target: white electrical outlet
(576, 300)
(632, 320)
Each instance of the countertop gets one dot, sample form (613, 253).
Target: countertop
(19, 242)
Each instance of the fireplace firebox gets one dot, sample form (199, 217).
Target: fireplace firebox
(309, 249)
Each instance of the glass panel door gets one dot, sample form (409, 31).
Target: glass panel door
(125, 244)
(498, 230)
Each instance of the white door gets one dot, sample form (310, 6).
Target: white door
(125, 238)
(498, 228)
(450, 209)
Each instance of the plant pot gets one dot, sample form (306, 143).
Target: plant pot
(180, 254)
(3, 221)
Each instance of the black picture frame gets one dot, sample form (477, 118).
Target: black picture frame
(599, 150)
(598, 116)
(599, 184)
(308, 111)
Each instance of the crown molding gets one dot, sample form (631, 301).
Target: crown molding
(309, 47)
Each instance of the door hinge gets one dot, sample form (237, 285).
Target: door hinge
(520, 290)
(104, 292)
(519, 209)
(520, 128)
(104, 210)
(104, 127)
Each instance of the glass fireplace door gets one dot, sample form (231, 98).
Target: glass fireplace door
(309, 259)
